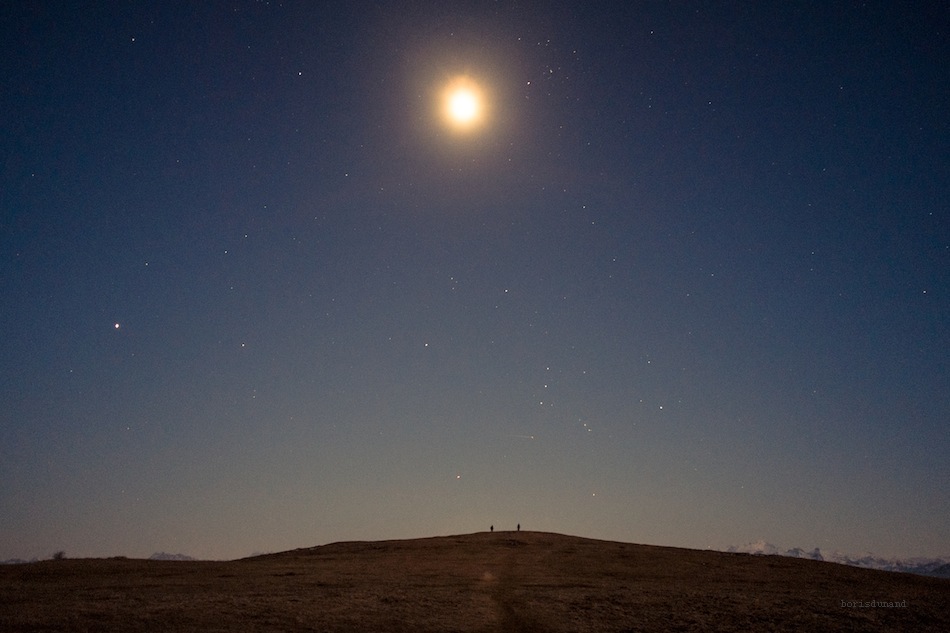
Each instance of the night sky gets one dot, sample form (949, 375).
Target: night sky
(685, 281)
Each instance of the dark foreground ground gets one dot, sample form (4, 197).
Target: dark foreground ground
(506, 581)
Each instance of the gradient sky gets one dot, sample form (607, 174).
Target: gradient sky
(687, 284)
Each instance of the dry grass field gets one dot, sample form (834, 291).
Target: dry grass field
(501, 581)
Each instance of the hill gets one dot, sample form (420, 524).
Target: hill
(502, 581)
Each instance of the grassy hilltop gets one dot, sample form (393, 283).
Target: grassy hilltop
(485, 582)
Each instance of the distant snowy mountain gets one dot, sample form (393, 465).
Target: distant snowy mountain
(923, 566)
(166, 556)
(760, 548)
(155, 556)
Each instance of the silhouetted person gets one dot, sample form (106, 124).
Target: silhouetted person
(492, 528)
(519, 527)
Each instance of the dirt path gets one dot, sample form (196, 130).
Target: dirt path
(515, 615)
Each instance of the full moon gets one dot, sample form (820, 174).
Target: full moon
(463, 104)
